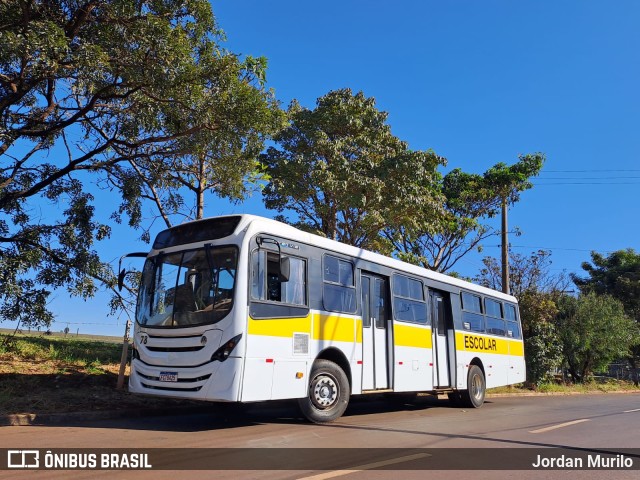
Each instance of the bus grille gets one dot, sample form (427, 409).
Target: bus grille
(180, 380)
(175, 349)
(172, 389)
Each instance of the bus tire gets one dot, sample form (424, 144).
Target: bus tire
(473, 396)
(328, 394)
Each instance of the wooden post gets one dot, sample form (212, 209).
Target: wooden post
(123, 359)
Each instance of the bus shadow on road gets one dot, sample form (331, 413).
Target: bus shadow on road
(217, 416)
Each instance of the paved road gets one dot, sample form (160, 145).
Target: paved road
(502, 424)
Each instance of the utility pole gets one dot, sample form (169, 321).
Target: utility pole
(505, 248)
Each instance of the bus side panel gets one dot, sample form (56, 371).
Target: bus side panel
(492, 351)
(257, 380)
(342, 332)
(282, 351)
(272, 361)
(517, 367)
(290, 379)
(413, 366)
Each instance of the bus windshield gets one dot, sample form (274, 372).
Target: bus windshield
(187, 288)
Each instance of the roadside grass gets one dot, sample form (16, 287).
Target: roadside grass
(49, 374)
(67, 350)
(596, 385)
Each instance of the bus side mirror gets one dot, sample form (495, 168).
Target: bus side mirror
(121, 276)
(285, 269)
(123, 272)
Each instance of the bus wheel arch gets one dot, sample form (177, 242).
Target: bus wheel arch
(328, 391)
(336, 356)
(473, 396)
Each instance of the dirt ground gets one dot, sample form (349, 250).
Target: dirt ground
(56, 386)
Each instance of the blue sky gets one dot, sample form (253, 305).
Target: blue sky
(478, 82)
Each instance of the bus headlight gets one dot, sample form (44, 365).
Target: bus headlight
(225, 350)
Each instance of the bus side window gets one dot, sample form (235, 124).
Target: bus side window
(472, 316)
(266, 284)
(513, 327)
(409, 304)
(494, 318)
(338, 288)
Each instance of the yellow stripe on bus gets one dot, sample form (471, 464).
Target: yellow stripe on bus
(280, 327)
(488, 344)
(410, 336)
(516, 348)
(335, 327)
(325, 327)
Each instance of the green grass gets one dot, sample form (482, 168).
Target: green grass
(54, 374)
(73, 351)
(600, 384)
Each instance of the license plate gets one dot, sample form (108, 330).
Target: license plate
(168, 376)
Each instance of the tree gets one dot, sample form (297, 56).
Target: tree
(594, 330)
(617, 275)
(538, 292)
(105, 86)
(530, 273)
(222, 161)
(342, 173)
(470, 199)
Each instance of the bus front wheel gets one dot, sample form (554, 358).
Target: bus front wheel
(328, 394)
(473, 396)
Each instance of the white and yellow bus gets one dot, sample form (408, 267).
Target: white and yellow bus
(244, 309)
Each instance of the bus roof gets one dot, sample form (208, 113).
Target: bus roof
(256, 224)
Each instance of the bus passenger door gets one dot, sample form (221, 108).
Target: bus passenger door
(374, 332)
(440, 347)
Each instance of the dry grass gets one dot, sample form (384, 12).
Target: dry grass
(600, 385)
(46, 374)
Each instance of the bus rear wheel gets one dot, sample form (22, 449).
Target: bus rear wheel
(328, 394)
(473, 396)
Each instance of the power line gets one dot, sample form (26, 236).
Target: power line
(586, 183)
(83, 323)
(587, 178)
(606, 170)
(553, 248)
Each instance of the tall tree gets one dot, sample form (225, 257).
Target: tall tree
(470, 199)
(105, 86)
(618, 275)
(222, 161)
(343, 174)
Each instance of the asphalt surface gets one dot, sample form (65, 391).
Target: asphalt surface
(25, 419)
(601, 422)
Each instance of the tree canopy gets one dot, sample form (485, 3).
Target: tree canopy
(469, 200)
(594, 331)
(343, 174)
(618, 275)
(128, 89)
